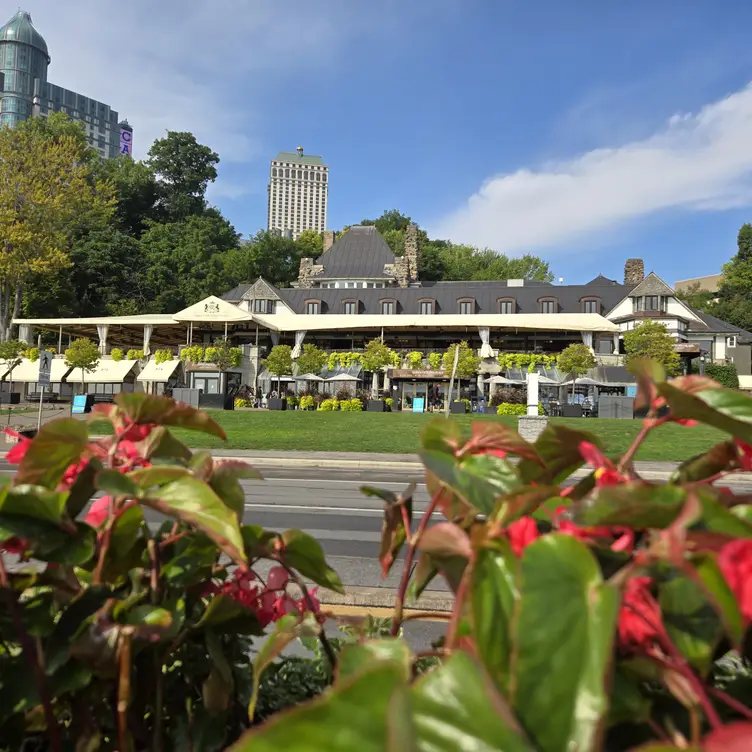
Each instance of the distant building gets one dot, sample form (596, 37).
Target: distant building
(25, 91)
(298, 191)
(711, 283)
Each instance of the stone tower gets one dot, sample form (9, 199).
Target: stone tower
(412, 251)
(634, 272)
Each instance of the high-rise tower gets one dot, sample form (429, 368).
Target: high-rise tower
(25, 91)
(298, 191)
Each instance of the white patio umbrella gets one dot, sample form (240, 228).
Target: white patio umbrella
(342, 377)
(546, 381)
(308, 377)
(502, 380)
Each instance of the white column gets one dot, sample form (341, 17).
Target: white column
(616, 343)
(26, 334)
(532, 394)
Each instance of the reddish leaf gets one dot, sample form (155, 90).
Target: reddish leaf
(735, 737)
(393, 533)
(445, 539)
(705, 465)
(225, 480)
(559, 449)
(145, 408)
(57, 446)
(648, 373)
(487, 435)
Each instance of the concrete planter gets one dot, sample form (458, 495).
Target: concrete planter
(458, 407)
(376, 406)
(530, 427)
(277, 404)
(14, 398)
(489, 410)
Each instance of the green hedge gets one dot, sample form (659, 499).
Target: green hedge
(507, 408)
(725, 375)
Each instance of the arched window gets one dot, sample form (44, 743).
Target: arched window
(287, 172)
(274, 172)
(388, 306)
(349, 306)
(466, 306)
(591, 305)
(506, 305)
(426, 307)
(313, 307)
(548, 305)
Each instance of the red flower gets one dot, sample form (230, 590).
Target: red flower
(640, 623)
(138, 432)
(522, 533)
(605, 471)
(624, 536)
(13, 546)
(99, 511)
(735, 561)
(277, 578)
(18, 451)
(72, 473)
(745, 455)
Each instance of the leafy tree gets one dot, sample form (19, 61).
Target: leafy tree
(267, 255)
(310, 244)
(577, 359)
(45, 189)
(695, 297)
(279, 362)
(376, 357)
(184, 169)
(83, 354)
(467, 363)
(11, 353)
(184, 260)
(652, 340)
(735, 292)
(220, 354)
(312, 359)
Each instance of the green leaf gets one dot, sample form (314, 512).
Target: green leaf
(161, 444)
(707, 464)
(566, 611)
(424, 573)
(57, 446)
(726, 409)
(126, 532)
(479, 480)
(456, 707)
(441, 435)
(393, 533)
(691, 622)
(192, 562)
(225, 480)
(304, 554)
(445, 540)
(354, 717)
(193, 501)
(356, 658)
(559, 449)
(639, 505)
(146, 408)
(116, 484)
(50, 543)
(149, 616)
(37, 502)
(628, 704)
(494, 593)
(201, 464)
(717, 518)
(286, 630)
(157, 475)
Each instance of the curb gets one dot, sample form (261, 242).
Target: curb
(431, 600)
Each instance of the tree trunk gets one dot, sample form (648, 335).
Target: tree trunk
(375, 385)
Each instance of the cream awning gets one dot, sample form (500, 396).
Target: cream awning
(28, 372)
(161, 372)
(106, 372)
(553, 322)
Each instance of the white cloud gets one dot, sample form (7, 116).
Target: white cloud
(700, 161)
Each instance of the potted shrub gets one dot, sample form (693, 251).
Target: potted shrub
(307, 402)
(389, 402)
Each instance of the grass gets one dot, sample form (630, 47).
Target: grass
(400, 433)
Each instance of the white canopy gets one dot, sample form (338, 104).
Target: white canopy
(308, 377)
(28, 372)
(106, 372)
(158, 372)
(584, 381)
(343, 377)
(503, 380)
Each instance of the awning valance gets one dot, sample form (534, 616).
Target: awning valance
(159, 372)
(28, 372)
(106, 372)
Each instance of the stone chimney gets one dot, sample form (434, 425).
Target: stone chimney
(412, 252)
(329, 238)
(634, 272)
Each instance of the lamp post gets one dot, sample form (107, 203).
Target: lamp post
(702, 365)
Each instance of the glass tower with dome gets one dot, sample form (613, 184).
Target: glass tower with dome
(25, 91)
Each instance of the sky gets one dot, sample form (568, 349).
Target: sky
(584, 132)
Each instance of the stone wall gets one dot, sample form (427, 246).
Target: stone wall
(329, 237)
(634, 272)
(307, 271)
(412, 252)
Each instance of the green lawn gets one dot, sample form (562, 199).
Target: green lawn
(400, 433)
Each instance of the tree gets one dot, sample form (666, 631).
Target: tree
(310, 244)
(467, 363)
(376, 357)
(577, 359)
(279, 363)
(651, 340)
(735, 292)
(11, 353)
(695, 297)
(184, 169)
(44, 191)
(311, 360)
(83, 354)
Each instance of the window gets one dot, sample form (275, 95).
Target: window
(466, 307)
(312, 307)
(426, 307)
(350, 306)
(507, 305)
(730, 341)
(548, 306)
(591, 306)
(388, 307)
(652, 303)
(261, 305)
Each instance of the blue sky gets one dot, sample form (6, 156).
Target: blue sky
(585, 132)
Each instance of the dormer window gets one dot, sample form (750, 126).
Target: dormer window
(548, 305)
(426, 307)
(466, 306)
(349, 306)
(507, 305)
(388, 307)
(591, 305)
(313, 307)
(262, 305)
(649, 303)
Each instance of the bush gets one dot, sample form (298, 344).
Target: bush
(194, 353)
(434, 360)
(135, 355)
(329, 405)
(725, 374)
(32, 354)
(117, 354)
(344, 394)
(243, 402)
(292, 401)
(389, 402)
(344, 405)
(116, 634)
(506, 408)
(162, 356)
(306, 402)
(514, 395)
(415, 360)
(353, 405)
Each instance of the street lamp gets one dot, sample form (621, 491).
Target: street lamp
(702, 365)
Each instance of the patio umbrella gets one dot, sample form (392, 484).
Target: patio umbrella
(308, 377)
(342, 377)
(585, 381)
(546, 381)
(502, 380)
